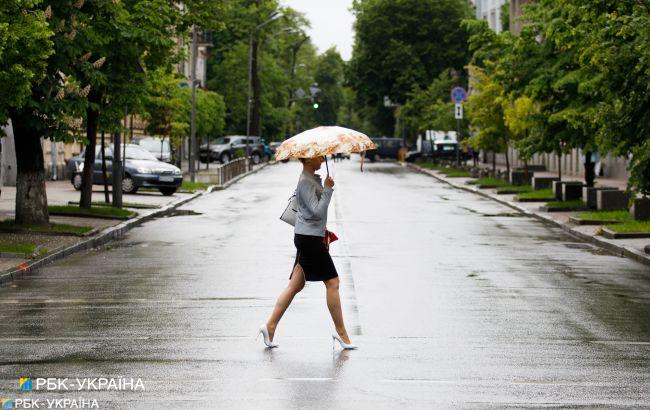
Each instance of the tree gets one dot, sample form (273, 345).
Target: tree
(49, 96)
(400, 44)
(126, 38)
(485, 107)
(329, 77)
(431, 108)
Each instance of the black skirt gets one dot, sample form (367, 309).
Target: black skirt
(314, 258)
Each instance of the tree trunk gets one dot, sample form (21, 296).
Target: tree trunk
(507, 163)
(559, 165)
(104, 174)
(590, 166)
(92, 117)
(494, 163)
(257, 88)
(31, 196)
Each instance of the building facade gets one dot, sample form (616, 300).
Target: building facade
(490, 11)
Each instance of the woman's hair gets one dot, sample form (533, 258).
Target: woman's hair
(302, 160)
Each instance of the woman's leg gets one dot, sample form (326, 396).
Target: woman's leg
(296, 283)
(334, 305)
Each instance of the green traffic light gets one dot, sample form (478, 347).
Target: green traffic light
(315, 105)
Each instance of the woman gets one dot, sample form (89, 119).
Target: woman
(313, 261)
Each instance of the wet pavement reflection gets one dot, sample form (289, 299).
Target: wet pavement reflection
(454, 300)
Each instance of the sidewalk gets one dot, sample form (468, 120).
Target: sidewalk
(56, 246)
(631, 248)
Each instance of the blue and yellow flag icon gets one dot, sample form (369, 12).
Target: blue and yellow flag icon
(7, 404)
(25, 384)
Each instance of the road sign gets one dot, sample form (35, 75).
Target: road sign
(458, 111)
(458, 95)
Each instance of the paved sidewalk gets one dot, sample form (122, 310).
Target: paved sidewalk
(61, 193)
(633, 248)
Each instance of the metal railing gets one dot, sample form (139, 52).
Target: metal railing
(231, 170)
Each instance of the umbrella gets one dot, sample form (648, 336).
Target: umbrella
(323, 141)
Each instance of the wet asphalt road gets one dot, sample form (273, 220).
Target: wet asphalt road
(454, 300)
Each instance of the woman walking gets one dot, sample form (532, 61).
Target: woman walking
(313, 261)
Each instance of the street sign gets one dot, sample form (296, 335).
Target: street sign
(458, 111)
(458, 95)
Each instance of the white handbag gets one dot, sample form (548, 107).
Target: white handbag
(289, 214)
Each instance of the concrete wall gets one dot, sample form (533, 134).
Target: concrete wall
(613, 167)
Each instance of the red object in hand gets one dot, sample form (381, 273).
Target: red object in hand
(329, 238)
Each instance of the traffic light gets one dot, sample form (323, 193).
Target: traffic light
(315, 106)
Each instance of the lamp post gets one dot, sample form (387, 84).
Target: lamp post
(251, 49)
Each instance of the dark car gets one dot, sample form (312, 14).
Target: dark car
(439, 150)
(141, 169)
(386, 148)
(159, 147)
(274, 146)
(223, 149)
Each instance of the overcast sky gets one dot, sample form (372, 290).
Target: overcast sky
(331, 23)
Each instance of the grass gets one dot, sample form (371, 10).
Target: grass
(630, 226)
(490, 182)
(514, 189)
(456, 173)
(193, 186)
(100, 211)
(539, 194)
(619, 216)
(449, 172)
(28, 248)
(577, 204)
(10, 225)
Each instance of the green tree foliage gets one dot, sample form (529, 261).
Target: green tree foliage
(25, 46)
(431, 108)
(400, 44)
(329, 77)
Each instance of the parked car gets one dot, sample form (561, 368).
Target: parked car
(274, 146)
(437, 150)
(159, 147)
(386, 148)
(223, 149)
(141, 169)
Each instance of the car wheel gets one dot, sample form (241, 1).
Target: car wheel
(76, 182)
(128, 185)
(167, 191)
(256, 158)
(225, 158)
(376, 157)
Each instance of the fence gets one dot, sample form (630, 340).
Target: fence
(230, 170)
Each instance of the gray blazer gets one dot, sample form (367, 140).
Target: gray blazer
(312, 199)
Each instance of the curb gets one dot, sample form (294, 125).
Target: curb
(617, 250)
(111, 233)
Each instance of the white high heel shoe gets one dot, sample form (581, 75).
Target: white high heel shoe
(344, 345)
(265, 333)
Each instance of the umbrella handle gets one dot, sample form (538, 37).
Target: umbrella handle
(326, 167)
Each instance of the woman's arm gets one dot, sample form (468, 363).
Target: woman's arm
(314, 208)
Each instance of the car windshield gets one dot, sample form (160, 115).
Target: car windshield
(154, 144)
(221, 141)
(131, 152)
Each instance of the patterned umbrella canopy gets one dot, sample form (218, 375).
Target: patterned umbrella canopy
(322, 141)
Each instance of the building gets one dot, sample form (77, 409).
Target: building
(515, 12)
(490, 11)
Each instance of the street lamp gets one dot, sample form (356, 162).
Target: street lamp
(274, 16)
